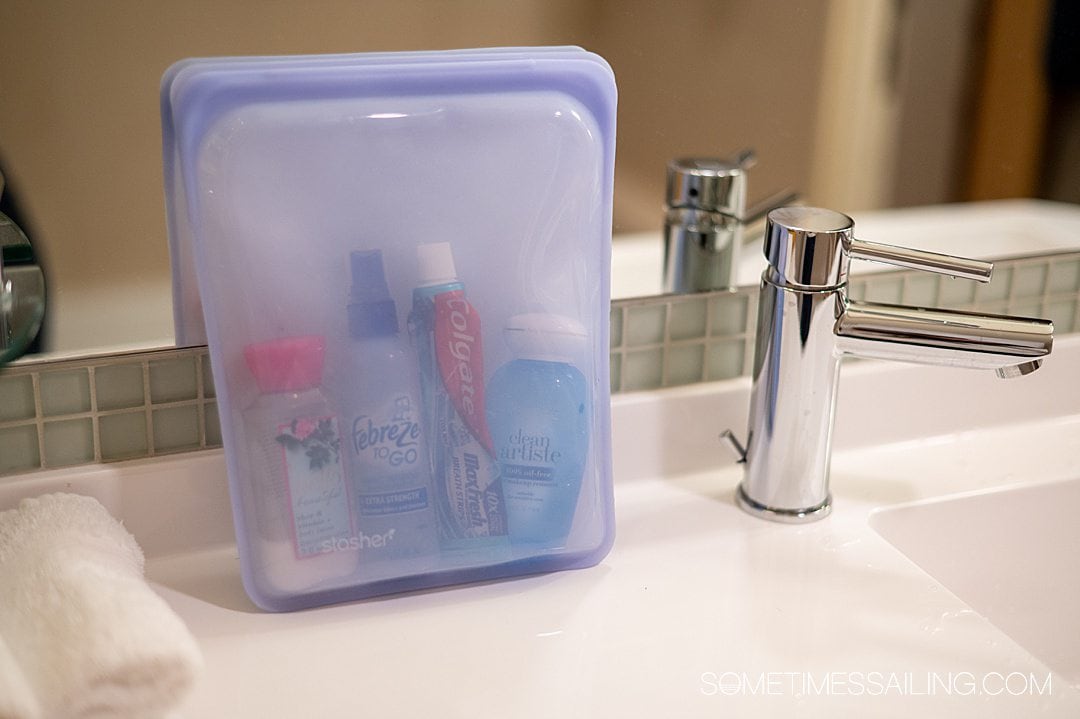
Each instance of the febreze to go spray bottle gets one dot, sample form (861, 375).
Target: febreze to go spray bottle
(446, 329)
(390, 466)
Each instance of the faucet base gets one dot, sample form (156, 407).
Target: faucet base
(786, 516)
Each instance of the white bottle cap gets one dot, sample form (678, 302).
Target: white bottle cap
(436, 264)
(541, 336)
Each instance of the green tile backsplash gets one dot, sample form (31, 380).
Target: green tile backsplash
(126, 406)
(703, 337)
(173, 380)
(17, 398)
(681, 339)
(119, 386)
(103, 409)
(65, 392)
(19, 449)
(69, 441)
(123, 435)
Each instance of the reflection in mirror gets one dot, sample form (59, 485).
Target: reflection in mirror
(860, 105)
(706, 221)
(22, 290)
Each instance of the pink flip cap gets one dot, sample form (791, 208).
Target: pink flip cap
(290, 364)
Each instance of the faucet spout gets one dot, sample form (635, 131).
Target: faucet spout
(1012, 346)
(1018, 370)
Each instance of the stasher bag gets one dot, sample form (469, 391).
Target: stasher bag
(401, 265)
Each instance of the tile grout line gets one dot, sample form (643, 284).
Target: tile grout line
(1044, 287)
(710, 314)
(624, 321)
(95, 418)
(665, 308)
(1010, 294)
(200, 409)
(39, 419)
(148, 409)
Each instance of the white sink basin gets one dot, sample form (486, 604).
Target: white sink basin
(1010, 554)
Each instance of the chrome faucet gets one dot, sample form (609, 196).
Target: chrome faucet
(807, 324)
(705, 220)
(22, 291)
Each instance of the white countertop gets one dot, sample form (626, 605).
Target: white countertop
(699, 610)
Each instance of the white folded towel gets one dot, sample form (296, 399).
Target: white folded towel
(78, 618)
(17, 701)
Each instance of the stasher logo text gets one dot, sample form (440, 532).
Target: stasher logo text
(359, 541)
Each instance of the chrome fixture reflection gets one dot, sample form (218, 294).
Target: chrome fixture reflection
(705, 221)
(22, 290)
(807, 324)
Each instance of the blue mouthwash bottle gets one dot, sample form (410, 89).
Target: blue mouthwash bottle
(386, 443)
(539, 414)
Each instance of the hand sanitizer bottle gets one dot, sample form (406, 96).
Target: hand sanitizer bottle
(387, 448)
(303, 533)
(539, 414)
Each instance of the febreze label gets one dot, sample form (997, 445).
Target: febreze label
(468, 476)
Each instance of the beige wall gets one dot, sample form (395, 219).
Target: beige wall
(705, 78)
(80, 130)
(79, 125)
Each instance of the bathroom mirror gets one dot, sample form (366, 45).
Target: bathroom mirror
(22, 292)
(856, 104)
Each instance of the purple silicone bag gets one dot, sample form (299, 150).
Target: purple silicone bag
(358, 234)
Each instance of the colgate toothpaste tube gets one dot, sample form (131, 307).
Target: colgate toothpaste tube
(446, 330)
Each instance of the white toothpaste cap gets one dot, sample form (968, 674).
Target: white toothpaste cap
(436, 264)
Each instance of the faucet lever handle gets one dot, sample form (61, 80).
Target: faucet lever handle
(921, 260)
(737, 449)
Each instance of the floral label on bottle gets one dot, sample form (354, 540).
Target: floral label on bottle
(319, 503)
